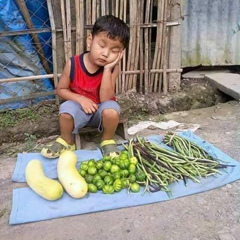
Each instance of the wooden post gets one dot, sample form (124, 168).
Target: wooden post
(175, 46)
(39, 48)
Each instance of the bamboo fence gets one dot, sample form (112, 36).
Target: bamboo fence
(145, 65)
(151, 63)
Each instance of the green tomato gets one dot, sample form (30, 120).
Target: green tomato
(84, 166)
(124, 173)
(117, 185)
(117, 161)
(108, 189)
(116, 175)
(99, 165)
(96, 178)
(91, 163)
(135, 187)
(132, 178)
(107, 165)
(140, 176)
(106, 158)
(92, 170)
(125, 183)
(124, 163)
(88, 178)
(114, 169)
(123, 156)
(108, 180)
(82, 173)
(92, 188)
(132, 168)
(102, 173)
(114, 159)
(133, 160)
(100, 184)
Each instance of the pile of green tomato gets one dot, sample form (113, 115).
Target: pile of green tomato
(111, 175)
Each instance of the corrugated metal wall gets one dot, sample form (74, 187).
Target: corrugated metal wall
(211, 33)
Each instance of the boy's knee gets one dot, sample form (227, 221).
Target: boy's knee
(66, 116)
(110, 114)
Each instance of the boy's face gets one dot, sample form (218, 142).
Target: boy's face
(104, 50)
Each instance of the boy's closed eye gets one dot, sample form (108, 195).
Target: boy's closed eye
(101, 45)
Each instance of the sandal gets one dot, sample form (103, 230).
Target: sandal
(54, 151)
(109, 148)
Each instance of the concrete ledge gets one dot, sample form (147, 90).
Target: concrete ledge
(228, 83)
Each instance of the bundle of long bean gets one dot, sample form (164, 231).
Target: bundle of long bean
(184, 146)
(163, 166)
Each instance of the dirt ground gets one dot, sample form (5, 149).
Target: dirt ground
(210, 215)
(41, 120)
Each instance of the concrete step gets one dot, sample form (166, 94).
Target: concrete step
(228, 83)
(200, 74)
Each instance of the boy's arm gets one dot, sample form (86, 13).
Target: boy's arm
(64, 92)
(107, 89)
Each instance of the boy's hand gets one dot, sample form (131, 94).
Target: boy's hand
(88, 106)
(111, 65)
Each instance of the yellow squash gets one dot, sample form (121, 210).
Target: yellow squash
(68, 175)
(45, 187)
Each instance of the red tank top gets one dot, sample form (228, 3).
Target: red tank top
(85, 83)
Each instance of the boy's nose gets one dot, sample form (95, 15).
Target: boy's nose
(105, 52)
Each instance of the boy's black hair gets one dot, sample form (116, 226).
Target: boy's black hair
(114, 27)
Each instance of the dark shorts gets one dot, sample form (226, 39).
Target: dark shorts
(81, 119)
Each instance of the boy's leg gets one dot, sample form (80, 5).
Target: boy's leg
(72, 117)
(110, 120)
(66, 127)
(106, 119)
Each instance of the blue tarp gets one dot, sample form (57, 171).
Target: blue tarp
(18, 57)
(27, 206)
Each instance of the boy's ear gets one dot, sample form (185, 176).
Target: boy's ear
(89, 40)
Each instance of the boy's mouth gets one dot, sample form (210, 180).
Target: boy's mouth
(102, 60)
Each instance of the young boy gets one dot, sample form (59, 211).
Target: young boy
(88, 84)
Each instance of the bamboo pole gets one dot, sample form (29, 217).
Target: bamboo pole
(38, 46)
(121, 9)
(81, 27)
(29, 78)
(158, 77)
(136, 61)
(146, 51)
(94, 11)
(129, 49)
(69, 30)
(54, 46)
(88, 17)
(103, 7)
(141, 48)
(133, 26)
(124, 55)
(150, 36)
(117, 8)
(78, 33)
(120, 79)
(107, 7)
(98, 8)
(153, 71)
(112, 7)
(64, 30)
(158, 42)
(27, 97)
